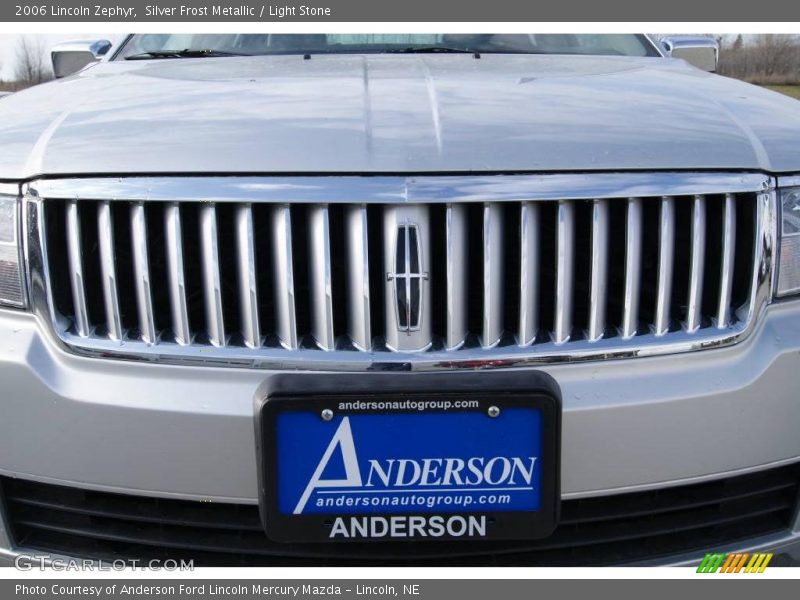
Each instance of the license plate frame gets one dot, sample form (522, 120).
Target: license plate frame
(304, 393)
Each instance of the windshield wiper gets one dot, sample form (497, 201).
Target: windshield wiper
(433, 50)
(185, 53)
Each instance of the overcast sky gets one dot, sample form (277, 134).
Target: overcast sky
(8, 45)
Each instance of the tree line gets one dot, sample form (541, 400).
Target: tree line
(31, 64)
(767, 59)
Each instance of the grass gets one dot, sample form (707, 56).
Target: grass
(789, 90)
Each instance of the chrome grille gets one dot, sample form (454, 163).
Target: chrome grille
(510, 270)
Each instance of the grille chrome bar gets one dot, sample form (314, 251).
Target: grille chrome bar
(666, 245)
(319, 240)
(492, 275)
(348, 189)
(248, 284)
(694, 303)
(212, 285)
(761, 277)
(529, 274)
(284, 276)
(593, 262)
(358, 302)
(633, 268)
(728, 249)
(565, 275)
(141, 273)
(176, 276)
(76, 269)
(597, 302)
(457, 249)
(108, 270)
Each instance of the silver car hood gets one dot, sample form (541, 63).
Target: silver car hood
(395, 114)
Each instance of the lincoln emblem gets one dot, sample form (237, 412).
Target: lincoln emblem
(408, 278)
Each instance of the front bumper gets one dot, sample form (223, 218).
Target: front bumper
(188, 432)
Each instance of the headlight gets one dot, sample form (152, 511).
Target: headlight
(12, 290)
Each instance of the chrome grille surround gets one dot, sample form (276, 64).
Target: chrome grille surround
(358, 346)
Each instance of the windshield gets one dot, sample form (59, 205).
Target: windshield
(193, 45)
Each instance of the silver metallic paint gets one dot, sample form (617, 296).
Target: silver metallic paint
(167, 424)
(375, 114)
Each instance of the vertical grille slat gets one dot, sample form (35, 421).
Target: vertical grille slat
(723, 315)
(492, 274)
(284, 277)
(176, 274)
(76, 272)
(600, 249)
(537, 276)
(247, 276)
(319, 252)
(108, 271)
(633, 268)
(565, 274)
(529, 273)
(358, 297)
(141, 274)
(212, 285)
(666, 245)
(753, 251)
(456, 243)
(694, 303)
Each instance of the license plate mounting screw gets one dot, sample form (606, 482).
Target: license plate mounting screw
(327, 414)
(493, 411)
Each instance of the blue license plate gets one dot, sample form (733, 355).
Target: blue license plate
(347, 469)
